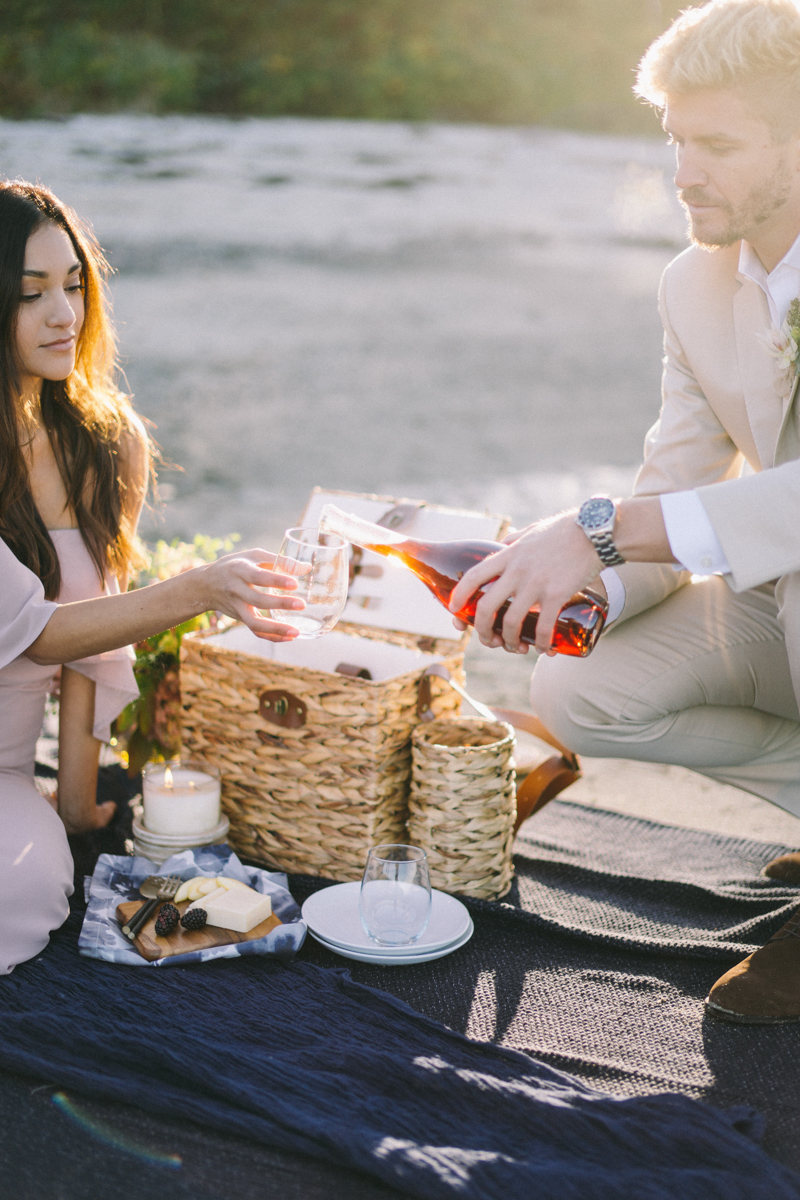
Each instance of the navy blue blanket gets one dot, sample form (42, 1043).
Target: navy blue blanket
(303, 1058)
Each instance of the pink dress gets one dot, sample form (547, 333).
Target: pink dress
(35, 861)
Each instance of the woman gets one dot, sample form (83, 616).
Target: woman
(73, 474)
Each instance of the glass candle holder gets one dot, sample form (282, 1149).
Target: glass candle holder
(181, 797)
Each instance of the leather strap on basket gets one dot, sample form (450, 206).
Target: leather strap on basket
(541, 784)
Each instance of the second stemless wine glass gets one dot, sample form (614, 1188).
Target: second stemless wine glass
(395, 900)
(320, 563)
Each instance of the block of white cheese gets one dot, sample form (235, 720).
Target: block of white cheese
(239, 909)
(203, 900)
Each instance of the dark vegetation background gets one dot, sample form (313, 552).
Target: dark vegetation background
(560, 62)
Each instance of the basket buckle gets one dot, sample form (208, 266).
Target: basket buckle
(282, 708)
(424, 698)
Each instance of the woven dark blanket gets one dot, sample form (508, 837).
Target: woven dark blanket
(305, 1059)
(630, 883)
(600, 957)
(597, 962)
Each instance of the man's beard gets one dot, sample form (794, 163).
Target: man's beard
(764, 200)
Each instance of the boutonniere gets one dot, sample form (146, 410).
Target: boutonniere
(783, 345)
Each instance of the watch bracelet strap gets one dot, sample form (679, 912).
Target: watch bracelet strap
(607, 552)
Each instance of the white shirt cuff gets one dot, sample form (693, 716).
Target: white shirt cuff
(615, 590)
(691, 534)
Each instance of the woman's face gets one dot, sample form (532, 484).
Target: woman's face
(50, 314)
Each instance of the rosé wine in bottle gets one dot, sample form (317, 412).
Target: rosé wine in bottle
(440, 565)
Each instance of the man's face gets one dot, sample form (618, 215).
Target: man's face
(734, 180)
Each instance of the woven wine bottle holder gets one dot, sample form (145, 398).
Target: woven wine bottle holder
(462, 806)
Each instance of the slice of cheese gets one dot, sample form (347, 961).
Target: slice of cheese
(237, 909)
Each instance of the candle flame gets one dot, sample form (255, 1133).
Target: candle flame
(168, 778)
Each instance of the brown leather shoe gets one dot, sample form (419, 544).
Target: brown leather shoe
(785, 869)
(765, 988)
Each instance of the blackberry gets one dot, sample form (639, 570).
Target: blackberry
(194, 918)
(167, 919)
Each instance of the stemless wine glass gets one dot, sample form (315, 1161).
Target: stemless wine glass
(395, 900)
(320, 563)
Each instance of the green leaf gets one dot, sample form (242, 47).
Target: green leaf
(140, 750)
(128, 717)
(147, 706)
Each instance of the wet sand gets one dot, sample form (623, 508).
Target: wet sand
(461, 313)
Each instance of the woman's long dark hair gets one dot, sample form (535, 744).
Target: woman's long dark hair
(85, 415)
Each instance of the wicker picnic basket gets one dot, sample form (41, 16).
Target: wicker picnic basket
(462, 806)
(316, 764)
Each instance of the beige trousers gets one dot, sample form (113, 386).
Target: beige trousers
(700, 680)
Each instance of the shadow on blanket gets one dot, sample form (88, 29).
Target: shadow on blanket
(304, 1059)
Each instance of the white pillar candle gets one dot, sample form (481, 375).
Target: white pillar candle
(180, 798)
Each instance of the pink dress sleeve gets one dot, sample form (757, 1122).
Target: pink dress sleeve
(24, 612)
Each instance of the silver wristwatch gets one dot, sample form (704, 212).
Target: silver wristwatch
(596, 518)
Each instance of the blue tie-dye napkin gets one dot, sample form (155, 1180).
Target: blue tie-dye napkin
(117, 878)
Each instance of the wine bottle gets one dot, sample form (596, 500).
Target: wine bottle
(440, 565)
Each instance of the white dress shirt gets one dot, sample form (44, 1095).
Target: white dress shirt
(691, 535)
(781, 286)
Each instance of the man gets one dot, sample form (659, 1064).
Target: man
(706, 675)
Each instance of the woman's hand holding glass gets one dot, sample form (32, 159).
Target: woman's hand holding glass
(236, 584)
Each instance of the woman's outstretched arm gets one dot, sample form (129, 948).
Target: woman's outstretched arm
(228, 585)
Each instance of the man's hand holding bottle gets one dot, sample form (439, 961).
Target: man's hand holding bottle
(542, 567)
(546, 563)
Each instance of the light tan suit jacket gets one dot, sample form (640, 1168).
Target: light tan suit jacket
(725, 429)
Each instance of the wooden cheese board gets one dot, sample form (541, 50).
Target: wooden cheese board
(181, 940)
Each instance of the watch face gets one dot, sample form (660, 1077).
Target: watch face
(595, 513)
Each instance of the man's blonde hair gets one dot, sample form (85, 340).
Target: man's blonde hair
(751, 46)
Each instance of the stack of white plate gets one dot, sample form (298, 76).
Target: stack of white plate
(333, 919)
(158, 847)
